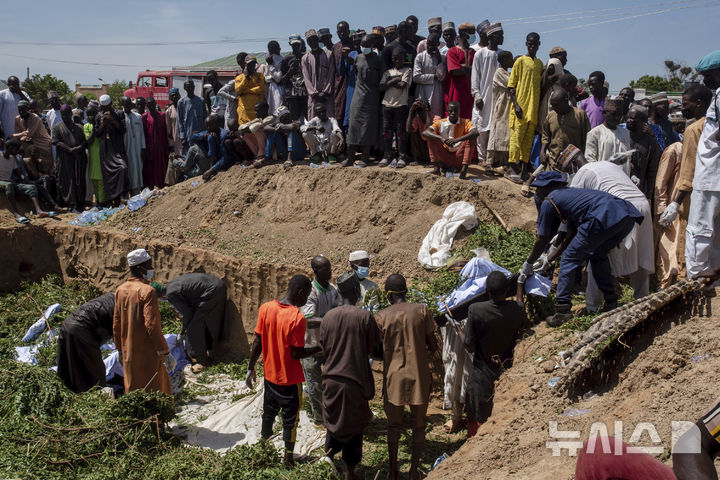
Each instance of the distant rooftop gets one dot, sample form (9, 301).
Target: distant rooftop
(230, 62)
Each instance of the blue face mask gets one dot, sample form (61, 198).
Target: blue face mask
(362, 272)
(472, 39)
(366, 50)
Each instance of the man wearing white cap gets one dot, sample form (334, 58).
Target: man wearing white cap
(360, 263)
(137, 330)
(110, 129)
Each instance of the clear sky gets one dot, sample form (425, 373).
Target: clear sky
(652, 31)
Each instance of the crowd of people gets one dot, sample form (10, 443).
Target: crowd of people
(607, 172)
(320, 334)
(387, 94)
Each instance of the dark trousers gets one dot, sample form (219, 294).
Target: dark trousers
(479, 393)
(592, 243)
(351, 450)
(285, 398)
(394, 122)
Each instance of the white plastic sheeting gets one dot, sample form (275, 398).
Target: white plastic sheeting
(239, 423)
(435, 249)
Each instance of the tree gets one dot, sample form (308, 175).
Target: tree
(656, 83)
(673, 81)
(116, 90)
(38, 87)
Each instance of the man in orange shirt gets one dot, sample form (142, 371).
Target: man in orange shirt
(280, 336)
(451, 141)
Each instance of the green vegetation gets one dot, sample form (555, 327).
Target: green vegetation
(38, 87)
(48, 432)
(19, 310)
(508, 250)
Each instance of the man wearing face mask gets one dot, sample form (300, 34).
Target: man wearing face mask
(360, 263)
(137, 330)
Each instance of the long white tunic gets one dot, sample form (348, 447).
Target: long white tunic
(707, 159)
(275, 91)
(483, 71)
(637, 250)
(602, 143)
(8, 110)
(427, 86)
(134, 144)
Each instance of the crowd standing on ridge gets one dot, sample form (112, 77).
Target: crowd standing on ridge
(624, 187)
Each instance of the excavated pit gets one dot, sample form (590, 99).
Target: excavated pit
(255, 229)
(98, 254)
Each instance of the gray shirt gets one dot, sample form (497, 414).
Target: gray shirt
(319, 302)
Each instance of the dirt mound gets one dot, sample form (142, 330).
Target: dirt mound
(273, 215)
(662, 374)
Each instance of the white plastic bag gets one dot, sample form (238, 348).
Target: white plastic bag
(435, 249)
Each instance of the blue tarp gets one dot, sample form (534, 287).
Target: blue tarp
(37, 328)
(112, 363)
(474, 275)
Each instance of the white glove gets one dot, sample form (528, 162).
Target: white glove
(669, 215)
(250, 378)
(527, 269)
(170, 363)
(542, 264)
(522, 278)
(635, 180)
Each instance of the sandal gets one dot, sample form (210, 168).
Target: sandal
(260, 162)
(288, 164)
(526, 192)
(514, 177)
(24, 220)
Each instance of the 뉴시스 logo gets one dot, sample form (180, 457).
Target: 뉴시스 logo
(643, 439)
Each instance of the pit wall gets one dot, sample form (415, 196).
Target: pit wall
(98, 255)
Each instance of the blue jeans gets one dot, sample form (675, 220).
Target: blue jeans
(592, 243)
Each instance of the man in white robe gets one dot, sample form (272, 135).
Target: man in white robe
(702, 244)
(635, 255)
(608, 138)
(134, 145)
(9, 99)
(484, 66)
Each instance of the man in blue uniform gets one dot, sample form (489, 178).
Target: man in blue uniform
(595, 223)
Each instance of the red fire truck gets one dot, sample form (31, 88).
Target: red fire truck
(156, 84)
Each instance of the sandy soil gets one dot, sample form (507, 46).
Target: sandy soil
(653, 379)
(283, 216)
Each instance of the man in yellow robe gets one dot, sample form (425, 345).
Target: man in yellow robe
(250, 89)
(524, 90)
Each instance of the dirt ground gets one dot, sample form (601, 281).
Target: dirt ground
(662, 374)
(273, 216)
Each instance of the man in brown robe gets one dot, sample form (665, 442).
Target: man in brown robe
(347, 337)
(408, 334)
(137, 330)
(29, 129)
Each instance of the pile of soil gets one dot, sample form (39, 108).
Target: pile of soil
(289, 216)
(663, 374)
